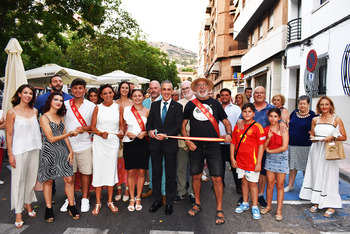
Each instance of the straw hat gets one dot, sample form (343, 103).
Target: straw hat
(202, 78)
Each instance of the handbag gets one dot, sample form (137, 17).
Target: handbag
(335, 150)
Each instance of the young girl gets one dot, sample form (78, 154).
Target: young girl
(246, 151)
(276, 164)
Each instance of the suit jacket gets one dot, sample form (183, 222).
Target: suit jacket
(171, 127)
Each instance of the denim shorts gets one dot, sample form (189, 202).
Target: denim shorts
(277, 162)
(209, 151)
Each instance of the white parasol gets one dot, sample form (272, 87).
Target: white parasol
(14, 73)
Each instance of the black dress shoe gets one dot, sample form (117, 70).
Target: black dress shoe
(168, 209)
(156, 205)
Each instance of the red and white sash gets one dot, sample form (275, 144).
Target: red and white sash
(207, 114)
(77, 113)
(138, 118)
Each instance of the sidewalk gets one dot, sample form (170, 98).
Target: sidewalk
(344, 165)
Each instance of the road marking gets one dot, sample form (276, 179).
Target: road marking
(169, 232)
(295, 202)
(10, 228)
(257, 232)
(85, 231)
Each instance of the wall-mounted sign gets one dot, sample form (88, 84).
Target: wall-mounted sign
(311, 60)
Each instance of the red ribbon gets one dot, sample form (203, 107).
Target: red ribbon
(207, 114)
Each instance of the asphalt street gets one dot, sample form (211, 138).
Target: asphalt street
(297, 218)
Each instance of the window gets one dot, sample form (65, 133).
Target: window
(252, 38)
(260, 32)
(321, 75)
(271, 19)
(323, 1)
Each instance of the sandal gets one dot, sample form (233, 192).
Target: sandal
(73, 212)
(328, 213)
(131, 208)
(31, 214)
(279, 216)
(313, 209)
(195, 211)
(221, 219)
(265, 210)
(138, 207)
(113, 208)
(49, 217)
(19, 224)
(96, 210)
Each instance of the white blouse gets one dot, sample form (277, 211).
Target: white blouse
(26, 134)
(132, 124)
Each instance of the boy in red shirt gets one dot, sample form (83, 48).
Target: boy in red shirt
(249, 144)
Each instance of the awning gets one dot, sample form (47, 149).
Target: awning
(216, 68)
(236, 61)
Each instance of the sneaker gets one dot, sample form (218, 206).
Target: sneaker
(242, 208)
(64, 207)
(240, 200)
(2, 182)
(256, 212)
(288, 189)
(178, 198)
(262, 201)
(85, 205)
(192, 198)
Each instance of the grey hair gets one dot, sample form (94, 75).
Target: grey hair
(155, 81)
(304, 97)
(167, 82)
(185, 82)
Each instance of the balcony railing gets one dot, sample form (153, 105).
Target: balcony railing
(294, 30)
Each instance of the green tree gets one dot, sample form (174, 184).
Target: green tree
(37, 24)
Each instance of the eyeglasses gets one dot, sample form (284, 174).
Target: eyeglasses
(202, 85)
(259, 93)
(185, 88)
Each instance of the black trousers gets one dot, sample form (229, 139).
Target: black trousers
(225, 153)
(170, 175)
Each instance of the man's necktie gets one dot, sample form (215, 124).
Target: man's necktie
(164, 110)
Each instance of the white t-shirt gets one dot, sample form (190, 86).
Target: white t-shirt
(81, 141)
(233, 112)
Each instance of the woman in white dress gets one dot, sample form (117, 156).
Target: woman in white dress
(22, 127)
(107, 124)
(321, 183)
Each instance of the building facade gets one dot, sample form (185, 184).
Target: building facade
(220, 56)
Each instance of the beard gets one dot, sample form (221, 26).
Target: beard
(203, 95)
(54, 88)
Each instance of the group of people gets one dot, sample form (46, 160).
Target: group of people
(113, 142)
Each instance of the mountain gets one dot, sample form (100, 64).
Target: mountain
(178, 54)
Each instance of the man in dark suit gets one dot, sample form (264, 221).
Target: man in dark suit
(165, 119)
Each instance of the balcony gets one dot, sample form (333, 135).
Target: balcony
(294, 30)
(207, 25)
(208, 9)
(250, 15)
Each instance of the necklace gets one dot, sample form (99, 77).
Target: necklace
(139, 109)
(303, 116)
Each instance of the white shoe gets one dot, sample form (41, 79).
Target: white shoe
(118, 197)
(288, 189)
(85, 205)
(64, 207)
(2, 182)
(125, 198)
(146, 183)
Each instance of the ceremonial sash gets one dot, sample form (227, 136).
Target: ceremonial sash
(77, 113)
(207, 114)
(139, 119)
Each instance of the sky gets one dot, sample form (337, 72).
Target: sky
(177, 22)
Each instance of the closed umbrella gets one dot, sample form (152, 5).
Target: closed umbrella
(15, 74)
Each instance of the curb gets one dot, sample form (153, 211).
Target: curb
(345, 175)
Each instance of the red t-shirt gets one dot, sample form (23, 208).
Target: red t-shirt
(275, 141)
(248, 150)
